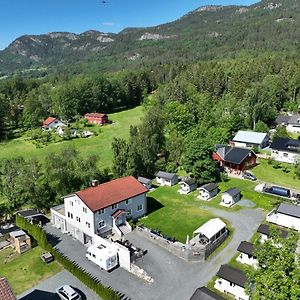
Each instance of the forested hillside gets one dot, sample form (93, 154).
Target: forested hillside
(211, 32)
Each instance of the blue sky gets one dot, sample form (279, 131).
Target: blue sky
(19, 17)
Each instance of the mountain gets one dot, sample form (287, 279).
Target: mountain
(208, 32)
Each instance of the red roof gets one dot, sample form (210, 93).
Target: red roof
(95, 115)
(6, 292)
(48, 121)
(111, 192)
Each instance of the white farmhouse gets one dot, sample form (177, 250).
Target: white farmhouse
(250, 139)
(52, 123)
(286, 215)
(101, 210)
(230, 197)
(232, 281)
(246, 255)
(187, 185)
(208, 191)
(166, 179)
(285, 150)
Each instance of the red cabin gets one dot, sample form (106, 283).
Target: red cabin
(97, 118)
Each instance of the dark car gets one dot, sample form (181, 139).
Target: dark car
(249, 175)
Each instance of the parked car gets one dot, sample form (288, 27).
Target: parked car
(249, 175)
(66, 292)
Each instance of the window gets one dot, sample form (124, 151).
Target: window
(129, 212)
(127, 201)
(101, 224)
(285, 154)
(84, 209)
(101, 211)
(78, 219)
(88, 225)
(70, 215)
(94, 255)
(71, 203)
(140, 207)
(114, 206)
(232, 284)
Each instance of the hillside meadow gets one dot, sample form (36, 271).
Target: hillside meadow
(100, 145)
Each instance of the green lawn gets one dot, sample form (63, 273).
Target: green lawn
(25, 270)
(174, 214)
(100, 144)
(266, 172)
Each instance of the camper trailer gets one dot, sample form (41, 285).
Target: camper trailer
(102, 256)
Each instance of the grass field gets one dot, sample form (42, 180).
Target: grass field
(266, 172)
(95, 145)
(26, 270)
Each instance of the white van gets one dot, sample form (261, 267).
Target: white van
(105, 258)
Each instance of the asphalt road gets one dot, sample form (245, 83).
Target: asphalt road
(174, 279)
(46, 289)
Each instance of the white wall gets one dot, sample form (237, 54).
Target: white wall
(244, 258)
(228, 200)
(293, 129)
(55, 125)
(285, 156)
(285, 221)
(224, 286)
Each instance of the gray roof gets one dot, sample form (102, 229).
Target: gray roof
(289, 209)
(144, 180)
(204, 293)
(294, 119)
(282, 119)
(232, 275)
(17, 233)
(246, 247)
(251, 137)
(188, 180)
(235, 155)
(209, 186)
(232, 192)
(265, 229)
(27, 213)
(165, 175)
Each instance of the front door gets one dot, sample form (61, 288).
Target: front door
(120, 220)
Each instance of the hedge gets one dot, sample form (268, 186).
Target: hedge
(106, 293)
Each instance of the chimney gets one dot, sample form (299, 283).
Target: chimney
(95, 182)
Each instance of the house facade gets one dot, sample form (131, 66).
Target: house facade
(97, 118)
(286, 150)
(250, 139)
(230, 197)
(52, 123)
(208, 191)
(102, 209)
(187, 185)
(246, 255)
(166, 179)
(234, 159)
(232, 281)
(286, 215)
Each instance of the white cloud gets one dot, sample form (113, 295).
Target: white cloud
(108, 24)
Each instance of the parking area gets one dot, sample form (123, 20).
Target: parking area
(46, 289)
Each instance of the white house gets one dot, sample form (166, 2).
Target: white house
(266, 233)
(146, 182)
(208, 191)
(166, 179)
(52, 123)
(230, 197)
(285, 150)
(101, 210)
(286, 215)
(246, 255)
(293, 123)
(232, 281)
(250, 139)
(187, 185)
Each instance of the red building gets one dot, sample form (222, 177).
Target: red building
(234, 159)
(97, 118)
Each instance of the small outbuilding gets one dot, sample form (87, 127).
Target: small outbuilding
(166, 179)
(187, 185)
(230, 197)
(266, 233)
(232, 281)
(33, 216)
(146, 182)
(20, 240)
(246, 255)
(204, 293)
(208, 191)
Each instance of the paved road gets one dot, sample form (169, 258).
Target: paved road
(174, 279)
(46, 289)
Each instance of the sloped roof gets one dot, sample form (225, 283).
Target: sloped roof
(111, 192)
(294, 119)
(165, 175)
(232, 192)
(289, 209)
(95, 115)
(282, 119)
(6, 292)
(204, 293)
(209, 186)
(232, 275)
(251, 137)
(143, 180)
(234, 155)
(246, 247)
(188, 180)
(210, 228)
(48, 121)
(286, 144)
(265, 229)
